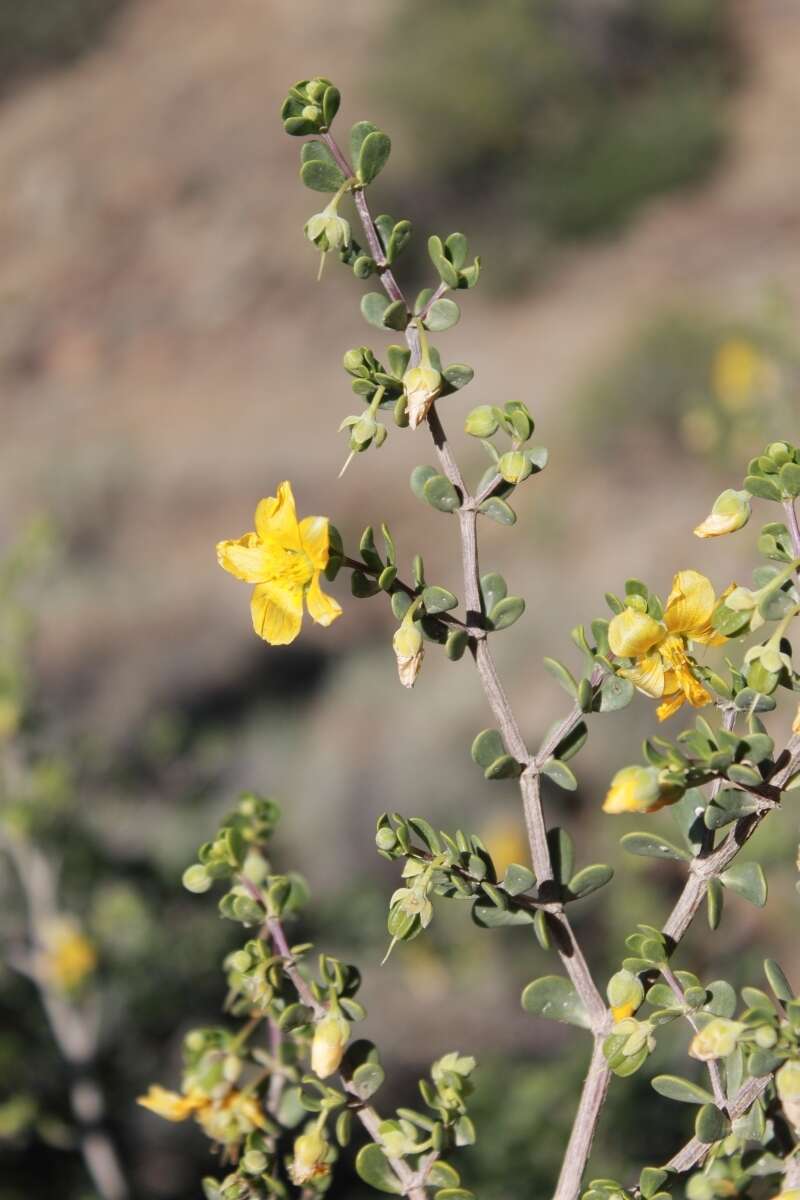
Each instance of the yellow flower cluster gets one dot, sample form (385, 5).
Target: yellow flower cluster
(225, 1120)
(662, 667)
(284, 558)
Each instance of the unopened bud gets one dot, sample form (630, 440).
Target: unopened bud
(481, 422)
(717, 1040)
(730, 511)
(639, 789)
(422, 385)
(308, 1160)
(787, 1081)
(514, 466)
(328, 1046)
(409, 651)
(625, 993)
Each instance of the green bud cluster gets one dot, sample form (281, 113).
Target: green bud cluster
(775, 474)
(310, 107)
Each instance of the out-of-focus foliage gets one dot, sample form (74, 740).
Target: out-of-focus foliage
(576, 113)
(37, 34)
(707, 383)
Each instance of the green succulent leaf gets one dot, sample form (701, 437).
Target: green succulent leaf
(649, 845)
(373, 1167)
(673, 1087)
(748, 881)
(554, 997)
(373, 155)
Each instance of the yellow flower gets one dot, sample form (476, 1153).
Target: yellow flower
(731, 511)
(68, 957)
(736, 374)
(662, 666)
(226, 1120)
(171, 1105)
(639, 789)
(284, 559)
(328, 1046)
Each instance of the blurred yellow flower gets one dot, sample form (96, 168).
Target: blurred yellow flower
(503, 837)
(735, 374)
(226, 1120)
(67, 958)
(171, 1105)
(662, 666)
(639, 789)
(284, 559)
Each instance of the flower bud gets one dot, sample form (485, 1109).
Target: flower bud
(353, 361)
(231, 1068)
(481, 422)
(422, 385)
(196, 879)
(308, 1160)
(796, 721)
(409, 651)
(766, 1037)
(254, 1162)
(639, 789)
(625, 993)
(730, 511)
(717, 1040)
(514, 466)
(327, 1048)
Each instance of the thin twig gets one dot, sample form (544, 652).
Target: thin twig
(712, 1064)
(366, 1115)
(695, 1151)
(794, 528)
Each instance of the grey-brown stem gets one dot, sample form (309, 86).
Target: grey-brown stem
(579, 1146)
(568, 949)
(695, 1151)
(713, 1066)
(365, 1114)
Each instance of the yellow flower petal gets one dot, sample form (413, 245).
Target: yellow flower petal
(248, 559)
(169, 1105)
(314, 535)
(647, 674)
(670, 706)
(277, 612)
(632, 633)
(323, 608)
(694, 691)
(276, 517)
(639, 789)
(691, 603)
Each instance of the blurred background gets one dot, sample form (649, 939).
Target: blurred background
(629, 174)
